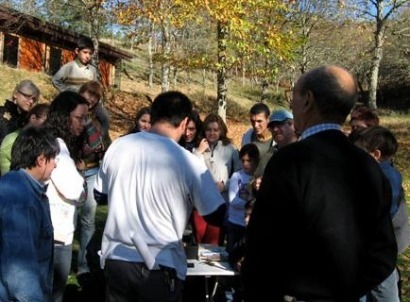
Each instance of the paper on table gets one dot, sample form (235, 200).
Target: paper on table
(212, 252)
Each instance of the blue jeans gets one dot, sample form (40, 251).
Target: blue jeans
(387, 291)
(87, 221)
(62, 265)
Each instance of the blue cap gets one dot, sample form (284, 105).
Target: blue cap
(280, 116)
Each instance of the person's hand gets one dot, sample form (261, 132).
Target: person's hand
(257, 183)
(239, 264)
(203, 146)
(220, 185)
(80, 165)
(245, 194)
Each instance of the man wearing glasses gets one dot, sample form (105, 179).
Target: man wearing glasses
(12, 113)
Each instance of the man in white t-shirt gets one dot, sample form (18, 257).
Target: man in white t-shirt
(152, 184)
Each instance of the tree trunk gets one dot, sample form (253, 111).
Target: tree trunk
(204, 80)
(174, 77)
(166, 50)
(95, 34)
(243, 75)
(93, 15)
(150, 57)
(378, 55)
(221, 72)
(264, 91)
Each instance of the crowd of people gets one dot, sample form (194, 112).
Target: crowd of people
(331, 205)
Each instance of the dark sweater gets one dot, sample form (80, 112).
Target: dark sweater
(324, 207)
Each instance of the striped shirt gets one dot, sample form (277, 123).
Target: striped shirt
(73, 75)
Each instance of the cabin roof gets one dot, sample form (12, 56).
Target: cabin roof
(12, 21)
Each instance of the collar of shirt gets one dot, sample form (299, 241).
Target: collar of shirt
(39, 187)
(319, 128)
(81, 65)
(386, 163)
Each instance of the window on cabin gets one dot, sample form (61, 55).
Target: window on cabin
(10, 51)
(55, 60)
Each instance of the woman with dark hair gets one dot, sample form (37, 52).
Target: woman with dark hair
(193, 132)
(66, 121)
(142, 121)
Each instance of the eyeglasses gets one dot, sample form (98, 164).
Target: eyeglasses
(81, 118)
(28, 96)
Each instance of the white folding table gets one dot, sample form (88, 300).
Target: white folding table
(210, 269)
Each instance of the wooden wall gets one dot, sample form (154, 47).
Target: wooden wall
(31, 55)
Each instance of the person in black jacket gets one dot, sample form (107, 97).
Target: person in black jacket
(13, 112)
(323, 205)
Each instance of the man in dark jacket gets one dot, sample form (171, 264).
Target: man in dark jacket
(323, 205)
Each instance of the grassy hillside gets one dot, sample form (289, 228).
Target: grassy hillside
(135, 92)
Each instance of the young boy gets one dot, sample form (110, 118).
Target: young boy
(75, 73)
(381, 143)
(240, 194)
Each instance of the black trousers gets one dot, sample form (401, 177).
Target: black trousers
(133, 282)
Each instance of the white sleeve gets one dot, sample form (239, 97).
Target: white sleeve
(67, 180)
(205, 195)
(100, 184)
(233, 187)
(198, 154)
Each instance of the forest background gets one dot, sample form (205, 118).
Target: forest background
(228, 54)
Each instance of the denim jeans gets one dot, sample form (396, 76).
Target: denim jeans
(62, 265)
(87, 220)
(387, 291)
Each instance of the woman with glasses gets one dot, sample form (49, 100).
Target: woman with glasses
(13, 112)
(66, 121)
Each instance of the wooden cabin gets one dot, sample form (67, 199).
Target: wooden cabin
(29, 43)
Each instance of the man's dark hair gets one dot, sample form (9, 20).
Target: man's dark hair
(85, 42)
(259, 108)
(172, 107)
(30, 144)
(332, 99)
(378, 138)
